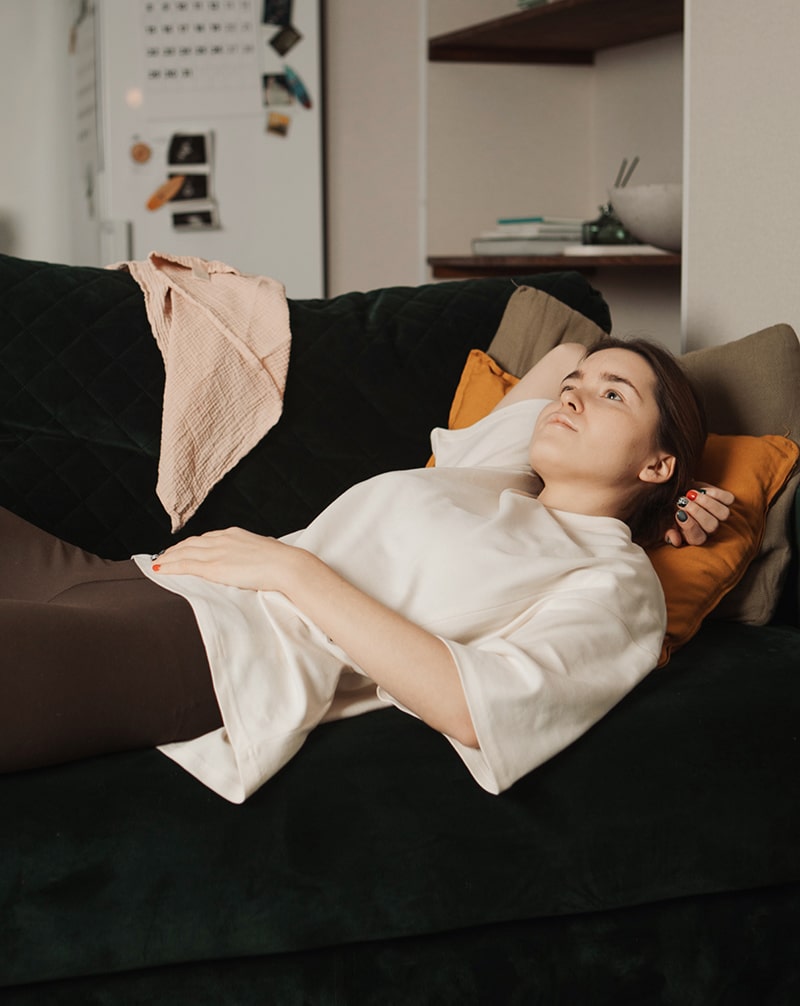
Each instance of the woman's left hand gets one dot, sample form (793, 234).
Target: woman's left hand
(233, 556)
(699, 514)
(413, 665)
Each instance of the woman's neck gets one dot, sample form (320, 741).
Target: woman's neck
(592, 500)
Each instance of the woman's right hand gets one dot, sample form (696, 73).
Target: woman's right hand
(699, 514)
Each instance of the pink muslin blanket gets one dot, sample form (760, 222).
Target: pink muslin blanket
(225, 340)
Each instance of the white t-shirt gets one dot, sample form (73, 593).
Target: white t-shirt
(551, 617)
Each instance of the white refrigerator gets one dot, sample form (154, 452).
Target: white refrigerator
(199, 131)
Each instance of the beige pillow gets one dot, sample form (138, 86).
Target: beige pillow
(532, 323)
(752, 386)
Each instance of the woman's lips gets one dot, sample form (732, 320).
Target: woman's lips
(559, 419)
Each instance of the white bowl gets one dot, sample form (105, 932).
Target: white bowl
(651, 213)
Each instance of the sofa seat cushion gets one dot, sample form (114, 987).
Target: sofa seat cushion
(374, 830)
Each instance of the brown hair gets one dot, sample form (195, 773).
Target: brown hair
(681, 432)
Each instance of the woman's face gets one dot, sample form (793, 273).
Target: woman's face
(603, 427)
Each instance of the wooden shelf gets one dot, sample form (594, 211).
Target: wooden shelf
(466, 266)
(564, 31)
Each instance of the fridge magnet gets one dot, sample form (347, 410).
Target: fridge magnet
(275, 89)
(204, 219)
(193, 186)
(189, 148)
(141, 152)
(277, 12)
(165, 192)
(297, 87)
(278, 124)
(286, 39)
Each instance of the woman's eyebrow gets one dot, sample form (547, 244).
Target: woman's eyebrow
(616, 379)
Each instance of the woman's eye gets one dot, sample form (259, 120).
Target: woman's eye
(613, 395)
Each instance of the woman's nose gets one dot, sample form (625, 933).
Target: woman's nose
(571, 399)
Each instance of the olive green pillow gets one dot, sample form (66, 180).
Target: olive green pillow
(532, 324)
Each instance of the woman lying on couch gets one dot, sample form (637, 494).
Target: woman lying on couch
(506, 609)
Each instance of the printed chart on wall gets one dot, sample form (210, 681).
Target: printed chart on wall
(212, 134)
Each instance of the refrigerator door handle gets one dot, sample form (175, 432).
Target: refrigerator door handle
(116, 241)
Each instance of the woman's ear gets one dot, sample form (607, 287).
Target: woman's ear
(659, 469)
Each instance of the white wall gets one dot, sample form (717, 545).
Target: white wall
(507, 141)
(503, 140)
(376, 143)
(638, 111)
(35, 183)
(452, 15)
(742, 198)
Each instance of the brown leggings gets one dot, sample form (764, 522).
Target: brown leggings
(94, 657)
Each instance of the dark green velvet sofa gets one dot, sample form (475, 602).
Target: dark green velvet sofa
(656, 861)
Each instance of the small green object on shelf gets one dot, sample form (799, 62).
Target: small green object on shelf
(607, 229)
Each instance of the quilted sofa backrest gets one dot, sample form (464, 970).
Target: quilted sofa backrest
(81, 382)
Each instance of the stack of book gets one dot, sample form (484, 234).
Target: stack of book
(529, 236)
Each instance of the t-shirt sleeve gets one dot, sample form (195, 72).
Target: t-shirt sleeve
(534, 691)
(499, 440)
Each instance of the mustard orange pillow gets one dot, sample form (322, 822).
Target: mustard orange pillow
(695, 579)
(482, 385)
